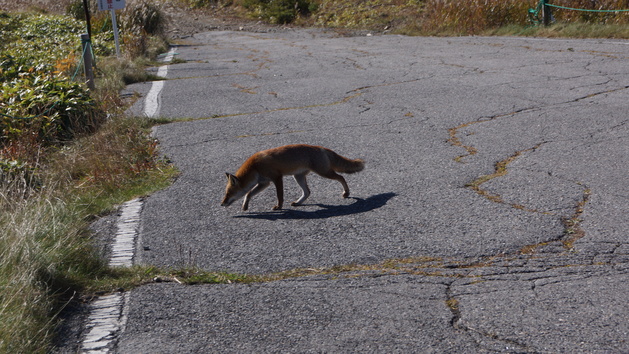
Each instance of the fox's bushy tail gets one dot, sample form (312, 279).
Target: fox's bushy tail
(345, 165)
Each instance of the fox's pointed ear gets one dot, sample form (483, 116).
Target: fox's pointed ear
(231, 178)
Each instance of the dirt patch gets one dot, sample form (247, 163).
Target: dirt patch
(182, 22)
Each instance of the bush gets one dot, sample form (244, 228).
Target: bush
(370, 14)
(196, 4)
(142, 17)
(48, 191)
(39, 102)
(279, 11)
(44, 103)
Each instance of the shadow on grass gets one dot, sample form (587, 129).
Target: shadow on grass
(326, 211)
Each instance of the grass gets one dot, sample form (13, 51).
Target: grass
(50, 191)
(46, 251)
(580, 30)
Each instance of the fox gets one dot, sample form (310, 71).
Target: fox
(267, 166)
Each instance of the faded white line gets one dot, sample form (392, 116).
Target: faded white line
(108, 314)
(107, 319)
(153, 99)
(124, 245)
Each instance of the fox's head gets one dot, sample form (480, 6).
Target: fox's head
(233, 191)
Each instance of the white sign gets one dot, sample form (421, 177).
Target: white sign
(110, 4)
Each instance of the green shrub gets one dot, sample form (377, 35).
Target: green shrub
(48, 191)
(140, 22)
(38, 97)
(44, 103)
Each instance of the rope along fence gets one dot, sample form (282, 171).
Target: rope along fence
(81, 63)
(537, 15)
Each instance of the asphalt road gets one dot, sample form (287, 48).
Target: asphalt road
(491, 215)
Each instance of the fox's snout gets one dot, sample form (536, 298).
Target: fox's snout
(232, 191)
(227, 201)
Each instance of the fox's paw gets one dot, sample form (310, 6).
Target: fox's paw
(277, 207)
(295, 204)
(345, 194)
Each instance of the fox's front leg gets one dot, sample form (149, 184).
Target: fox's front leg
(279, 187)
(257, 189)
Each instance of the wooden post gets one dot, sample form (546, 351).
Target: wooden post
(86, 9)
(87, 60)
(546, 13)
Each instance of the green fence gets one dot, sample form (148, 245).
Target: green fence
(542, 14)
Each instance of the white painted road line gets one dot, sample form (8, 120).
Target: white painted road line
(107, 318)
(124, 244)
(152, 101)
(108, 314)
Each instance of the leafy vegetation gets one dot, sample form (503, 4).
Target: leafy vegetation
(591, 17)
(39, 102)
(66, 154)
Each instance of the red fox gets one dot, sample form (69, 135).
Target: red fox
(298, 160)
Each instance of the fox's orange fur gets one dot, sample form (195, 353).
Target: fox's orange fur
(298, 160)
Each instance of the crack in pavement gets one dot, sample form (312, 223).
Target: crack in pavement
(470, 150)
(572, 224)
(350, 95)
(456, 274)
(459, 325)
(536, 266)
(573, 230)
(499, 171)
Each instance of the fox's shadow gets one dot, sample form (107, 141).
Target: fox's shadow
(326, 211)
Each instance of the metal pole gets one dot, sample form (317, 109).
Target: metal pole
(114, 24)
(546, 13)
(87, 60)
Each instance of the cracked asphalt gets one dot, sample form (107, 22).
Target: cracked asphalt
(491, 215)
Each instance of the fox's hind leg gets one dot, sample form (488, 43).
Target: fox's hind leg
(333, 175)
(301, 180)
